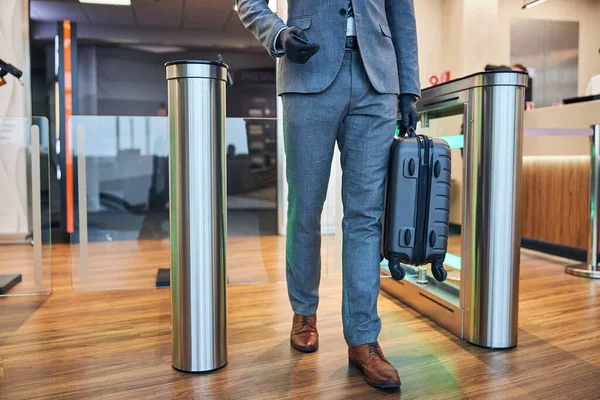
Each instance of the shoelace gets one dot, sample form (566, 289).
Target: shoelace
(305, 322)
(376, 350)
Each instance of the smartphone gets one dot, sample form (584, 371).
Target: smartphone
(300, 39)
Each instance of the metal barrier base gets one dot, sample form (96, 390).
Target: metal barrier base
(583, 270)
(7, 282)
(437, 301)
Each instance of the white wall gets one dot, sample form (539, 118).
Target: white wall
(14, 102)
(587, 12)
(432, 38)
(473, 33)
(469, 29)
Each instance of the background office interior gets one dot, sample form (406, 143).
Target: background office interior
(94, 83)
(119, 72)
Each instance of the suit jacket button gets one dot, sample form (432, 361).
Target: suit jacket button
(342, 11)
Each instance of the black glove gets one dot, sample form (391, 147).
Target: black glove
(407, 107)
(294, 42)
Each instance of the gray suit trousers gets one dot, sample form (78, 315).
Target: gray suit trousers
(362, 121)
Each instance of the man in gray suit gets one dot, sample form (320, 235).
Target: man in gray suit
(346, 68)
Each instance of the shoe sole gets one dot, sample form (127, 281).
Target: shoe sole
(304, 349)
(374, 384)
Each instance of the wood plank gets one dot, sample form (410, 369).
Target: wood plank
(555, 199)
(116, 344)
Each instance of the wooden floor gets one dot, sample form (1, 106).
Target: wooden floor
(89, 344)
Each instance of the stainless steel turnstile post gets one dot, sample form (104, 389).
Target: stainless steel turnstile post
(198, 214)
(591, 269)
(484, 309)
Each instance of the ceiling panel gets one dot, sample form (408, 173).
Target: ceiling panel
(158, 13)
(198, 15)
(209, 15)
(109, 15)
(57, 11)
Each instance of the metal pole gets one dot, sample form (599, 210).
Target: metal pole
(492, 215)
(590, 269)
(198, 214)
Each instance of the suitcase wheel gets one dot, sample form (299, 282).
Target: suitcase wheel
(398, 273)
(438, 271)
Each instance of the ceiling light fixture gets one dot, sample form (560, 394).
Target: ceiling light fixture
(533, 4)
(107, 2)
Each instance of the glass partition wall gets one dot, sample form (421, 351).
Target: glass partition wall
(121, 238)
(448, 128)
(25, 265)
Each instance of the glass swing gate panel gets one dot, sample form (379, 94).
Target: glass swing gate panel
(121, 237)
(441, 301)
(448, 128)
(25, 210)
(121, 206)
(255, 251)
(256, 203)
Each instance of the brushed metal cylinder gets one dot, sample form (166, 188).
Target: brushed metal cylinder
(591, 269)
(197, 170)
(593, 214)
(492, 214)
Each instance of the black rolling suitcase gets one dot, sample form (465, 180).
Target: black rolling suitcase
(417, 204)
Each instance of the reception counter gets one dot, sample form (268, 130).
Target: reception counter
(556, 171)
(555, 176)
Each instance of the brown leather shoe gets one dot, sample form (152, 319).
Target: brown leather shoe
(378, 371)
(304, 336)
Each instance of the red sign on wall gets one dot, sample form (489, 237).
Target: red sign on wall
(436, 80)
(445, 76)
(433, 80)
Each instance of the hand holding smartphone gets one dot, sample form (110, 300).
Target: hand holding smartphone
(299, 39)
(296, 46)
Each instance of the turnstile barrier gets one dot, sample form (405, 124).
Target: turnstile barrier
(484, 309)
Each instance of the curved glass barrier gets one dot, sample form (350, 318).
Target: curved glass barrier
(121, 238)
(449, 129)
(25, 265)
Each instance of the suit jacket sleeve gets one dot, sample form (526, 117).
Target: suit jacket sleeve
(258, 18)
(401, 19)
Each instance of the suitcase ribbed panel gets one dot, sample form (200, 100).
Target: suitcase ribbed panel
(439, 202)
(401, 204)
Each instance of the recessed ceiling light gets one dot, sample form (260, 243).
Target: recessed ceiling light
(533, 3)
(108, 2)
(157, 49)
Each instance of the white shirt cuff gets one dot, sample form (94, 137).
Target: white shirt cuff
(277, 51)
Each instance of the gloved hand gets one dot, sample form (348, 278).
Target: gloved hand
(295, 49)
(407, 107)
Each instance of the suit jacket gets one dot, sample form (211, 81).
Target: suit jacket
(387, 37)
